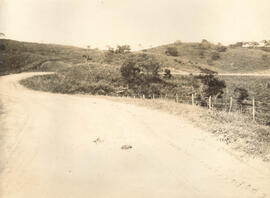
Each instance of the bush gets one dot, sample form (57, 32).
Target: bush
(2, 47)
(167, 74)
(140, 68)
(171, 51)
(121, 49)
(240, 95)
(208, 85)
(222, 49)
(215, 56)
(141, 73)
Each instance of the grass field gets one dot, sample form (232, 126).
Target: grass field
(18, 56)
(223, 59)
(258, 88)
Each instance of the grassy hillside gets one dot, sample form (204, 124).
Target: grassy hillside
(224, 59)
(18, 56)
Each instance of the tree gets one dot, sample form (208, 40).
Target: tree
(209, 85)
(121, 49)
(138, 68)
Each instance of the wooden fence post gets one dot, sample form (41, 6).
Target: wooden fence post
(192, 99)
(231, 103)
(210, 102)
(253, 109)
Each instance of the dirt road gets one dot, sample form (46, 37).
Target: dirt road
(63, 146)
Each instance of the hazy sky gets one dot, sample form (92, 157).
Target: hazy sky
(147, 22)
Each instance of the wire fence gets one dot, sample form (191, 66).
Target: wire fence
(257, 111)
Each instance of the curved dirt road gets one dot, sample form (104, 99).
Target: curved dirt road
(48, 150)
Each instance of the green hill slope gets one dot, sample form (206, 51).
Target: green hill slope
(18, 56)
(192, 57)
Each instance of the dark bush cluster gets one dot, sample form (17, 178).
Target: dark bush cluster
(116, 55)
(215, 56)
(2, 47)
(172, 51)
(221, 48)
(208, 85)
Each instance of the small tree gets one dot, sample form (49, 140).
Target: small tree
(121, 49)
(141, 72)
(209, 85)
(140, 67)
(171, 51)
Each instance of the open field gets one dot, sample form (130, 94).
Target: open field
(258, 87)
(69, 145)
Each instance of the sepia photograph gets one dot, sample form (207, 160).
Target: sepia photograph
(134, 99)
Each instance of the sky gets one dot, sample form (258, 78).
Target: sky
(139, 23)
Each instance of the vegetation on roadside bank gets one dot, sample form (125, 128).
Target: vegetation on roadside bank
(139, 76)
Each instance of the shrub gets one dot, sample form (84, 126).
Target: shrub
(240, 95)
(209, 85)
(222, 49)
(167, 74)
(109, 55)
(171, 51)
(215, 56)
(238, 44)
(140, 68)
(121, 49)
(2, 47)
(141, 72)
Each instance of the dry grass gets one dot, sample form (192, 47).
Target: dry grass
(235, 130)
(192, 56)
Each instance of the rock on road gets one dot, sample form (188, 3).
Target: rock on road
(67, 146)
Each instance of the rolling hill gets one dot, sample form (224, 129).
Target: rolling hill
(193, 57)
(16, 56)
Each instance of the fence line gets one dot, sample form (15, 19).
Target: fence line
(258, 112)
